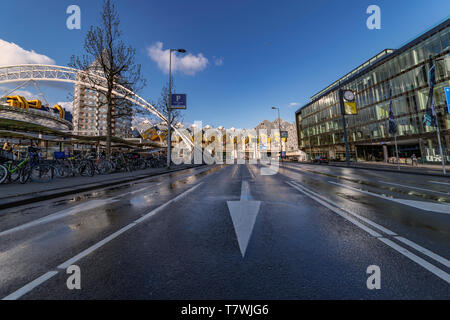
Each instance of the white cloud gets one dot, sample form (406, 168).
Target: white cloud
(294, 104)
(186, 63)
(12, 54)
(218, 61)
(68, 105)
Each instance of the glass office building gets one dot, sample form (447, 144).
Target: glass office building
(405, 72)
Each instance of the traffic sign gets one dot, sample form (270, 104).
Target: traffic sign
(284, 134)
(178, 101)
(447, 95)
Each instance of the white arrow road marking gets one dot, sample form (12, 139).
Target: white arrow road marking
(244, 213)
(423, 205)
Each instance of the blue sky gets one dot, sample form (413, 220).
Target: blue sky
(271, 52)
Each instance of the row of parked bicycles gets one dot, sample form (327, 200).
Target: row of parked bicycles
(33, 168)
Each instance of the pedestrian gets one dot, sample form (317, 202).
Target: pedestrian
(414, 160)
(6, 151)
(6, 147)
(15, 150)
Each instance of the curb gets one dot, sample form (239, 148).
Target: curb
(43, 196)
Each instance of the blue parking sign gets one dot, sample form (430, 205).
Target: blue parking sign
(178, 101)
(447, 95)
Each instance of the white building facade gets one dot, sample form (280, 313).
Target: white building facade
(89, 115)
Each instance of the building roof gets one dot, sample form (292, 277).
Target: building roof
(362, 70)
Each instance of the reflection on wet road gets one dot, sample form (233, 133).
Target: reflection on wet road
(315, 231)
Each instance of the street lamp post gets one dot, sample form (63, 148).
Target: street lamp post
(279, 130)
(169, 107)
(347, 149)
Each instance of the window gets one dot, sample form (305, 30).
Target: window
(422, 98)
(445, 41)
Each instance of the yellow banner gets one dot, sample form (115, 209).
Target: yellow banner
(350, 108)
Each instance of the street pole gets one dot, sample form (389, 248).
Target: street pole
(347, 151)
(279, 131)
(169, 108)
(169, 138)
(396, 151)
(440, 146)
(431, 80)
(281, 142)
(438, 132)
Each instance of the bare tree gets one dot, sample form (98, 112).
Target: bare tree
(109, 68)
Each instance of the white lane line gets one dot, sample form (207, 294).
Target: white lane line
(30, 286)
(424, 251)
(423, 263)
(89, 205)
(91, 249)
(142, 189)
(249, 167)
(338, 212)
(417, 188)
(33, 284)
(245, 191)
(155, 211)
(59, 215)
(413, 245)
(369, 222)
(438, 182)
(427, 206)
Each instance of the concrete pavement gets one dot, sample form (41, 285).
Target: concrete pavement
(316, 232)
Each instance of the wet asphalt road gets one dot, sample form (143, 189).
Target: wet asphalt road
(172, 237)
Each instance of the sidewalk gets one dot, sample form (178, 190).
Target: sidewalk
(422, 169)
(16, 194)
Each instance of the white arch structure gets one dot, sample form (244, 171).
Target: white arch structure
(43, 72)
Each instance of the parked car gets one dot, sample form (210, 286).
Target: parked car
(321, 159)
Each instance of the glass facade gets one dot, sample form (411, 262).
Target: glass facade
(405, 71)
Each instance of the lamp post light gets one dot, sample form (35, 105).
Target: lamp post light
(169, 98)
(279, 130)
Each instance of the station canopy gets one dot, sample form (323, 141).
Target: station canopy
(17, 129)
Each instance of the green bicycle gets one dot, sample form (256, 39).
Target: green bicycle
(13, 170)
(28, 168)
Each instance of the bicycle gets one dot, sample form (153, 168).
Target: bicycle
(14, 170)
(102, 165)
(3, 173)
(120, 163)
(32, 168)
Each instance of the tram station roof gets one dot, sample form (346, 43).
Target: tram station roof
(10, 128)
